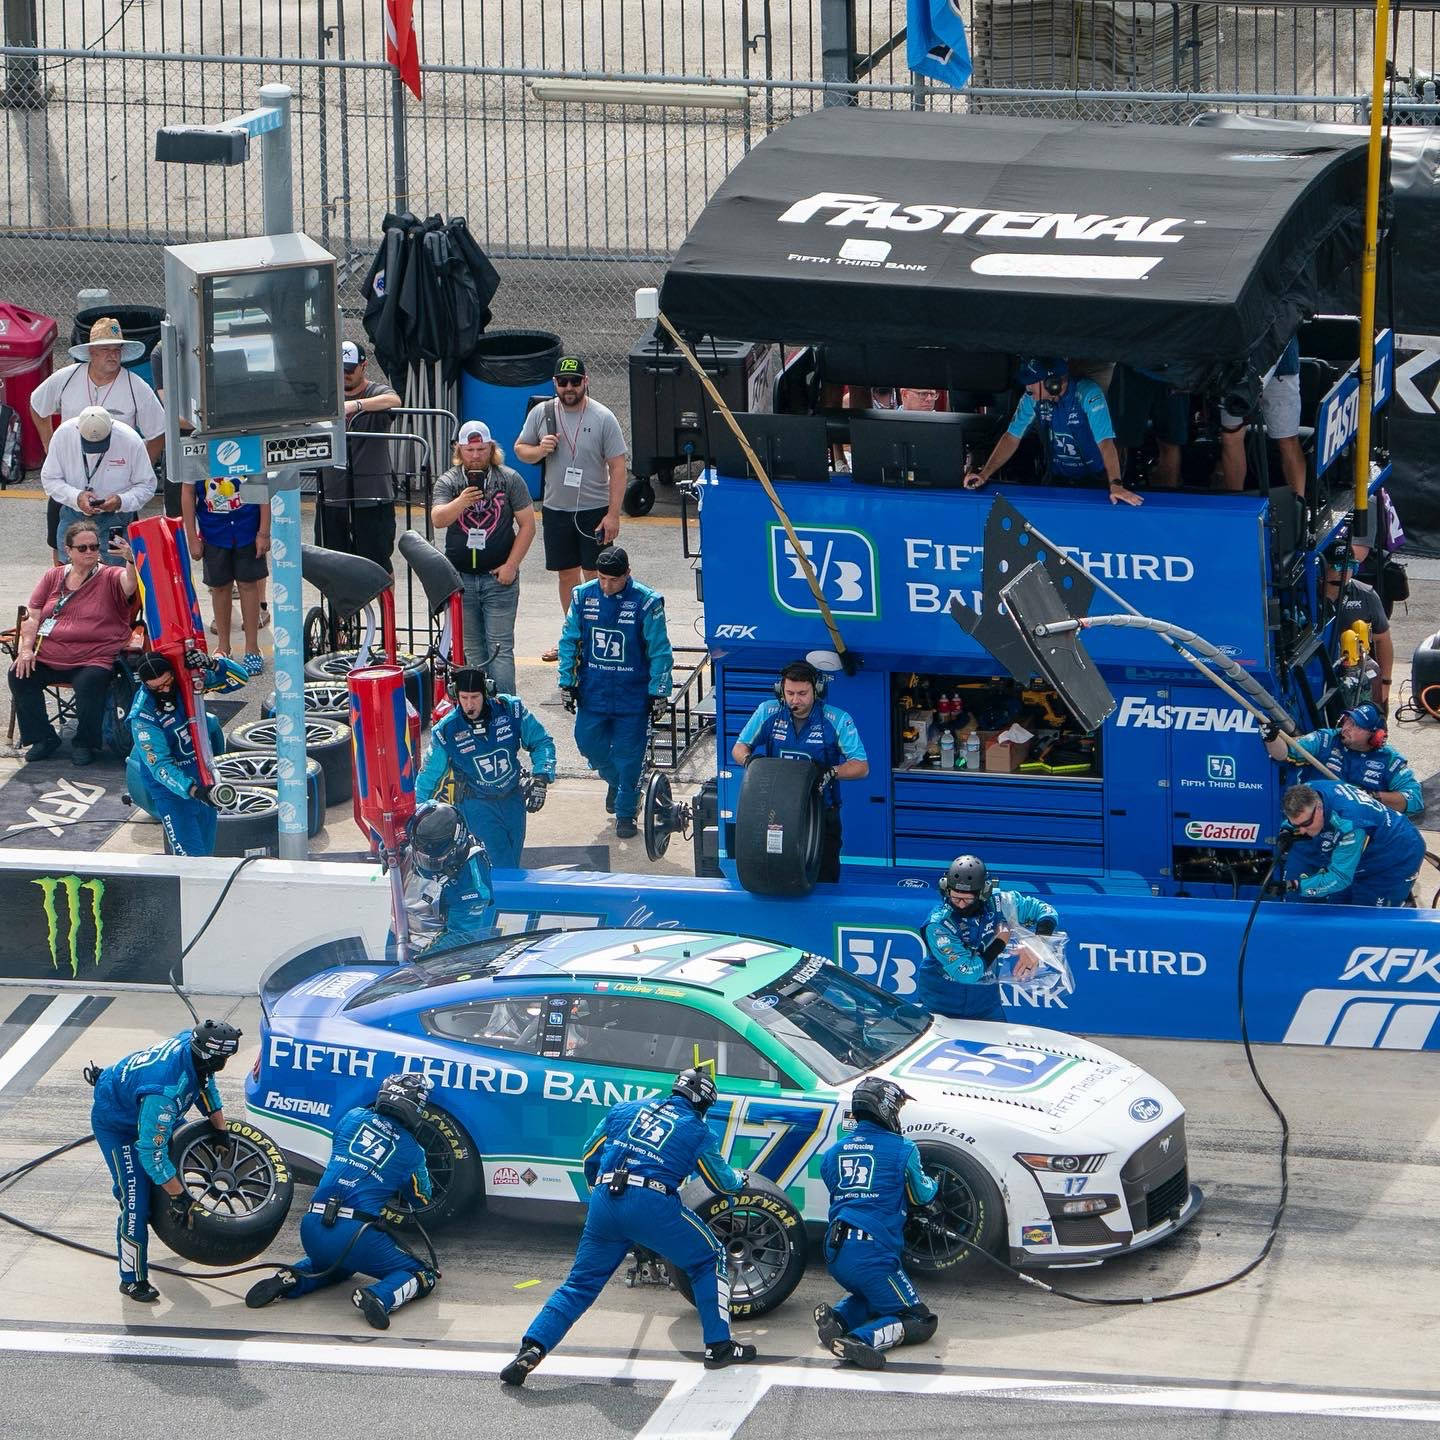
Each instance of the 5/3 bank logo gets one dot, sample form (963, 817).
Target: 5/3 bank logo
(886, 958)
(844, 565)
(66, 893)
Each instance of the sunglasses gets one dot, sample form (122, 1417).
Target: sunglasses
(96, 546)
(565, 384)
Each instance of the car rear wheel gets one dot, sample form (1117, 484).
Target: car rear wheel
(969, 1214)
(457, 1183)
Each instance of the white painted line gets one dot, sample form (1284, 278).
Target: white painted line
(708, 1404)
(41, 1030)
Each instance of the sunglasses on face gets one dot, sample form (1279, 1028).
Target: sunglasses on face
(565, 384)
(95, 546)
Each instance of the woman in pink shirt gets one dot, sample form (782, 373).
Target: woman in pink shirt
(79, 621)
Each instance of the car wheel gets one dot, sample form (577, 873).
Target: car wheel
(970, 1215)
(241, 1188)
(765, 1242)
(262, 767)
(418, 687)
(457, 1183)
(639, 496)
(778, 827)
(327, 741)
(316, 632)
(330, 698)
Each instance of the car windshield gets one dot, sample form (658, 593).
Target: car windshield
(469, 963)
(838, 1025)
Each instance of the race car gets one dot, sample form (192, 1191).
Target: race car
(1049, 1150)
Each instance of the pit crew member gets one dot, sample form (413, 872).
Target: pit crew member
(871, 1174)
(137, 1103)
(967, 933)
(1346, 847)
(798, 725)
(454, 872)
(1358, 752)
(635, 1162)
(373, 1157)
(479, 743)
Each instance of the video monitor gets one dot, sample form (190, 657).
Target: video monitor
(790, 447)
(926, 449)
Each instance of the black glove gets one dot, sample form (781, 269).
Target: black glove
(826, 776)
(202, 793)
(1270, 731)
(1045, 926)
(182, 1211)
(1285, 839)
(659, 708)
(197, 659)
(571, 697)
(535, 794)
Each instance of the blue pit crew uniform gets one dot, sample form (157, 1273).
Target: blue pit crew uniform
(160, 771)
(1072, 428)
(951, 979)
(138, 1101)
(615, 651)
(828, 737)
(661, 1142)
(372, 1158)
(484, 758)
(1383, 768)
(871, 1174)
(464, 904)
(1365, 853)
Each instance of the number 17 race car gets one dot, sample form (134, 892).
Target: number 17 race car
(1049, 1150)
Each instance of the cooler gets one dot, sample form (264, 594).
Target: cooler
(506, 372)
(27, 348)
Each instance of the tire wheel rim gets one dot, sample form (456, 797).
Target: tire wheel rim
(317, 732)
(439, 1161)
(342, 663)
(757, 1250)
(939, 1240)
(252, 802)
(238, 766)
(228, 1175)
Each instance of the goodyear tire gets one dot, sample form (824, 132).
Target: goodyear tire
(330, 698)
(262, 767)
(778, 827)
(252, 823)
(972, 1214)
(241, 1187)
(327, 741)
(764, 1238)
(457, 1182)
(337, 666)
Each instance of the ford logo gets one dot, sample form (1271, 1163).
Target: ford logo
(1145, 1109)
(911, 883)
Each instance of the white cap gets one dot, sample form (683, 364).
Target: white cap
(474, 430)
(350, 353)
(94, 424)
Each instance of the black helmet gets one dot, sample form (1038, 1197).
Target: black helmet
(471, 680)
(154, 666)
(967, 873)
(439, 839)
(878, 1100)
(212, 1043)
(697, 1086)
(404, 1097)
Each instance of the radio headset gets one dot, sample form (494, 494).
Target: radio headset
(802, 672)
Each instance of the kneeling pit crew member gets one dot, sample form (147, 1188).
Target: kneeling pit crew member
(138, 1101)
(966, 933)
(1346, 847)
(872, 1174)
(454, 872)
(636, 1160)
(1357, 751)
(798, 725)
(374, 1157)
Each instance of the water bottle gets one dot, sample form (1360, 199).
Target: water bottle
(972, 750)
(947, 750)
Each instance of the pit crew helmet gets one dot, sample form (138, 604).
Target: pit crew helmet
(212, 1043)
(878, 1100)
(403, 1097)
(697, 1086)
(439, 840)
(966, 873)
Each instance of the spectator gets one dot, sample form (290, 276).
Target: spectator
(98, 468)
(78, 622)
(1137, 398)
(231, 538)
(357, 509)
(1353, 600)
(1078, 437)
(1280, 408)
(578, 444)
(98, 378)
(489, 522)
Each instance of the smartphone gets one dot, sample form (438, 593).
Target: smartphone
(116, 540)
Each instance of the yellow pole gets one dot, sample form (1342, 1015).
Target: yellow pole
(1367, 269)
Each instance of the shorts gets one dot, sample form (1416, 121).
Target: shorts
(224, 566)
(570, 542)
(1136, 400)
(1280, 406)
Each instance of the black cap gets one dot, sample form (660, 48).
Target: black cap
(568, 366)
(613, 560)
(154, 667)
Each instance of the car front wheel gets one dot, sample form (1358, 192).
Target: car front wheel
(967, 1214)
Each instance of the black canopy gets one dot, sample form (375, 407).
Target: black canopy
(1176, 249)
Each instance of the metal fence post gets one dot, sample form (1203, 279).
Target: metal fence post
(837, 47)
(397, 131)
(22, 72)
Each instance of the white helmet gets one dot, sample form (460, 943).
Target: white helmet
(94, 424)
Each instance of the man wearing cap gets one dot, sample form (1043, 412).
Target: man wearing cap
(1075, 428)
(357, 510)
(97, 468)
(578, 444)
(1356, 750)
(485, 510)
(615, 672)
(477, 746)
(98, 378)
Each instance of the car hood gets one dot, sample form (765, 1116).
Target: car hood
(1042, 1080)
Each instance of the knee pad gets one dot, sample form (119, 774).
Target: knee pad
(920, 1323)
(426, 1280)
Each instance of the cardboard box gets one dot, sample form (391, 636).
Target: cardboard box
(1006, 757)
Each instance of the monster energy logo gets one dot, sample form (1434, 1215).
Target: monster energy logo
(70, 887)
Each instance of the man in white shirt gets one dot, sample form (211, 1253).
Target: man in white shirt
(97, 468)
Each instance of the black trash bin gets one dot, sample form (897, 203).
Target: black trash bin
(506, 373)
(138, 322)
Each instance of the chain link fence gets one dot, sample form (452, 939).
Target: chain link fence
(578, 203)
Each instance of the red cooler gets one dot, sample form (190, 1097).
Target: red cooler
(27, 345)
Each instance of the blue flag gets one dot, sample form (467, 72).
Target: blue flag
(935, 43)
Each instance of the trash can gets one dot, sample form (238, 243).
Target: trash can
(27, 348)
(506, 373)
(138, 322)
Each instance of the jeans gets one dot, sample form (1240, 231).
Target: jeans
(490, 609)
(107, 524)
(91, 684)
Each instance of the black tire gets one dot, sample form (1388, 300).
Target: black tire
(457, 1182)
(330, 698)
(659, 815)
(419, 684)
(973, 1214)
(327, 741)
(764, 1237)
(778, 827)
(639, 496)
(241, 1186)
(262, 767)
(316, 633)
(252, 823)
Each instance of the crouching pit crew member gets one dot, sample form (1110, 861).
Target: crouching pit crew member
(1357, 750)
(967, 933)
(798, 725)
(138, 1101)
(1346, 847)
(635, 1162)
(374, 1157)
(454, 872)
(872, 1174)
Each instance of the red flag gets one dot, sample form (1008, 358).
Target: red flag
(401, 48)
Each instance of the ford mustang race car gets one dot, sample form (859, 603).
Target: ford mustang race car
(1049, 1150)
